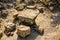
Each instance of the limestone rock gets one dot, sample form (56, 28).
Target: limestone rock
(43, 20)
(26, 15)
(19, 6)
(23, 30)
(31, 6)
(12, 11)
(9, 28)
(1, 33)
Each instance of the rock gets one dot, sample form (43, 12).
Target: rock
(1, 33)
(10, 5)
(43, 20)
(4, 13)
(31, 6)
(40, 6)
(35, 1)
(12, 11)
(19, 6)
(9, 26)
(23, 30)
(27, 17)
(18, 1)
(41, 30)
(28, 2)
(1, 4)
(58, 1)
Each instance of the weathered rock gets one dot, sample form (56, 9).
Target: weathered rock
(12, 11)
(35, 1)
(1, 4)
(49, 2)
(40, 6)
(23, 30)
(31, 6)
(4, 13)
(18, 1)
(43, 20)
(28, 1)
(1, 33)
(41, 29)
(9, 28)
(10, 5)
(19, 6)
(26, 15)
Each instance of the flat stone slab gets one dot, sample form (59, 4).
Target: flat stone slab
(28, 15)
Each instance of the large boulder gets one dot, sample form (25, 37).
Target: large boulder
(23, 30)
(28, 15)
(42, 21)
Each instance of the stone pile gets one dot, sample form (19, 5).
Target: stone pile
(26, 14)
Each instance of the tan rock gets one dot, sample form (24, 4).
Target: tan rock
(31, 6)
(27, 1)
(40, 6)
(43, 20)
(41, 29)
(1, 33)
(20, 6)
(23, 30)
(9, 26)
(12, 11)
(28, 15)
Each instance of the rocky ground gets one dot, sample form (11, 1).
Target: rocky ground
(38, 21)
